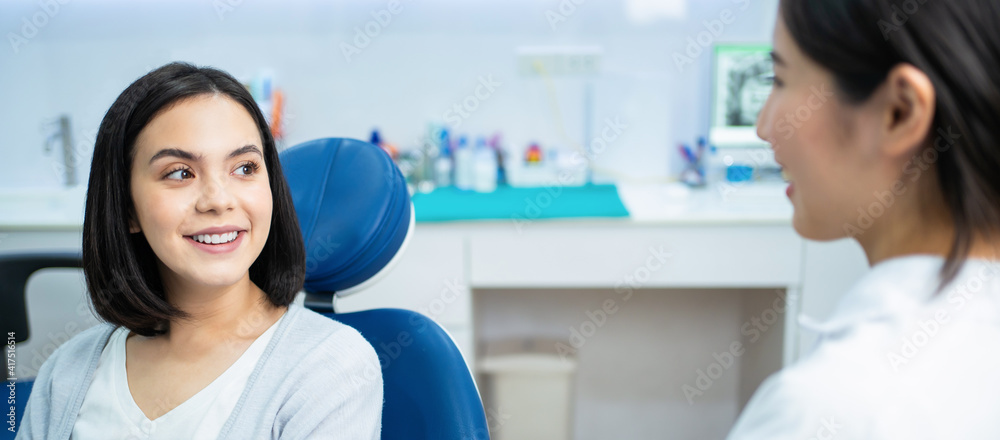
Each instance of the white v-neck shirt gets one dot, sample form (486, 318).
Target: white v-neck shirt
(109, 411)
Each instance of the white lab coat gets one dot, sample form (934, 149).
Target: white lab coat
(893, 361)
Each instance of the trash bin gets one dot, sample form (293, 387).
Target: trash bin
(531, 390)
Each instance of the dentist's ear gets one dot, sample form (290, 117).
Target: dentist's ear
(908, 113)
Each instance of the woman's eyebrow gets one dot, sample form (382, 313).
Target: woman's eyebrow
(250, 148)
(177, 152)
(174, 152)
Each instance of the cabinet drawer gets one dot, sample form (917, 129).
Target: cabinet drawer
(637, 256)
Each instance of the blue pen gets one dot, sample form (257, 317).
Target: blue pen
(684, 152)
(690, 154)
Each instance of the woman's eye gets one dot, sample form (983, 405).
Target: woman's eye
(180, 174)
(247, 169)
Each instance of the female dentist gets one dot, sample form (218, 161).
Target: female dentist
(900, 151)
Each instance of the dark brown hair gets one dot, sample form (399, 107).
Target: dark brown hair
(121, 269)
(956, 43)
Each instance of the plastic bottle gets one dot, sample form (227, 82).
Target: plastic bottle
(443, 165)
(464, 172)
(496, 143)
(485, 168)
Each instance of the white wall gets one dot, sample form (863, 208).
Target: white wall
(428, 58)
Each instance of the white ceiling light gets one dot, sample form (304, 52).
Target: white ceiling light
(648, 11)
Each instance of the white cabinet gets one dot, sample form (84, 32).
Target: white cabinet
(682, 295)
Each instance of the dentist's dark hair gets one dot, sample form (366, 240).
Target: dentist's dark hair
(956, 43)
(120, 267)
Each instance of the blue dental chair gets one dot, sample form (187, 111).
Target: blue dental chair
(356, 218)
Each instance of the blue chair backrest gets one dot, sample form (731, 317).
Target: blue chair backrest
(355, 213)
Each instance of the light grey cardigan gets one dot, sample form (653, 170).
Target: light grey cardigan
(317, 378)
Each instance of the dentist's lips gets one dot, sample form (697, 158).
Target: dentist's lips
(220, 248)
(787, 178)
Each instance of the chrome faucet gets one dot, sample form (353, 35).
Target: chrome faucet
(64, 135)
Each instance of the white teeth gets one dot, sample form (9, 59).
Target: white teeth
(216, 238)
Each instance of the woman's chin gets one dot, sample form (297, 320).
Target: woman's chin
(811, 230)
(219, 278)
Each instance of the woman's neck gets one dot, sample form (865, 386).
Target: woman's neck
(895, 239)
(920, 222)
(236, 313)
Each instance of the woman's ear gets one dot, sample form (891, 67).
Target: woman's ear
(909, 111)
(133, 226)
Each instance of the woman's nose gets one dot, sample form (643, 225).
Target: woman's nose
(215, 196)
(764, 129)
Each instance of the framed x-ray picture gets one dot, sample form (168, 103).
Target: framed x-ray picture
(741, 83)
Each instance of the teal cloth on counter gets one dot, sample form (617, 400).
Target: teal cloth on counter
(507, 203)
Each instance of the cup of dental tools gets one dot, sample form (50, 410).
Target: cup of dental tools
(694, 167)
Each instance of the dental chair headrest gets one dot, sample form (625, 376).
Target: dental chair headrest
(354, 211)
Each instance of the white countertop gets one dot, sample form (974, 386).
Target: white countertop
(42, 208)
(723, 203)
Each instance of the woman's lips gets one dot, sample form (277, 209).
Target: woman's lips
(220, 248)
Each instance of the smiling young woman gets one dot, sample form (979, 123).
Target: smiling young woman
(904, 158)
(193, 255)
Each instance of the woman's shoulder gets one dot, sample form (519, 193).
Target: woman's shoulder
(317, 338)
(84, 345)
(315, 354)
(66, 372)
